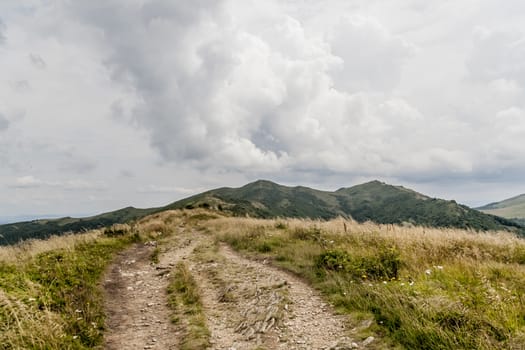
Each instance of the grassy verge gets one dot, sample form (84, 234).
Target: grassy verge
(185, 300)
(52, 299)
(425, 289)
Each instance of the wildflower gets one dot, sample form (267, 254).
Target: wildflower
(428, 272)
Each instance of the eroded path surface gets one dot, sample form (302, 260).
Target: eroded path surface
(251, 304)
(248, 304)
(138, 316)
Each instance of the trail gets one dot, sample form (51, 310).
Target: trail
(252, 304)
(248, 304)
(138, 316)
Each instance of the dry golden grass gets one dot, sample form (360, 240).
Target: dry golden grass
(449, 288)
(29, 249)
(425, 288)
(431, 244)
(50, 295)
(23, 324)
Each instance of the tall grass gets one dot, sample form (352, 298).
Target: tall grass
(49, 291)
(425, 288)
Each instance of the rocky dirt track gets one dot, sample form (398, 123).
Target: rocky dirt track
(248, 304)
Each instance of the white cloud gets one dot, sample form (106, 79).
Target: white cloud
(28, 181)
(372, 58)
(203, 94)
(170, 189)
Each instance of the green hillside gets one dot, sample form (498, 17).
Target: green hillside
(374, 201)
(512, 208)
(15, 232)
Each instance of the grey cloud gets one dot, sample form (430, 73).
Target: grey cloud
(2, 32)
(20, 85)
(126, 173)
(372, 57)
(215, 90)
(4, 122)
(30, 182)
(78, 164)
(37, 61)
(498, 55)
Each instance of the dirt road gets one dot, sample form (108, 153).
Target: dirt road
(248, 304)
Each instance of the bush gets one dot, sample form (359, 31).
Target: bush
(385, 265)
(305, 234)
(117, 230)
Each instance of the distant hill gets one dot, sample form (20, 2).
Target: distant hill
(43, 228)
(512, 208)
(374, 201)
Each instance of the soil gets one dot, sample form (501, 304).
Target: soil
(138, 316)
(248, 304)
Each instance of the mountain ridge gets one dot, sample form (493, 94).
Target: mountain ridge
(511, 208)
(371, 201)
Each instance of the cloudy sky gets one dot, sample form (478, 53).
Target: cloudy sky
(105, 104)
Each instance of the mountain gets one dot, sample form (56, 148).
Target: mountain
(374, 201)
(512, 208)
(43, 228)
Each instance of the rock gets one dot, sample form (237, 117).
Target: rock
(368, 341)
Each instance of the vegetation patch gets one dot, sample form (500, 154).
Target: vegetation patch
(385, 265)
(425, 288)
(53, 300)
(184, 298)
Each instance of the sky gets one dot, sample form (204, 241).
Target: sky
(106, 104)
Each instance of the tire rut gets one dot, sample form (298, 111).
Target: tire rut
(251, 304)
(138, 316)
(248, 304)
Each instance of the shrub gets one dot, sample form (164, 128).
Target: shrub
(385, 265)
(304, 234)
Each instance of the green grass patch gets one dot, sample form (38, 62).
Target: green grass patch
(184, 298)
(462, 295)
(54, 300)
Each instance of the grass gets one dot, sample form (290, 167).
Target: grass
(155, 255)
(50, 295)
(424, 288)
(184, 298)
(49, 291)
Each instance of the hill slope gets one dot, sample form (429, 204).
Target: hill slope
(15, 232)
(512, 208)
(374, 201)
